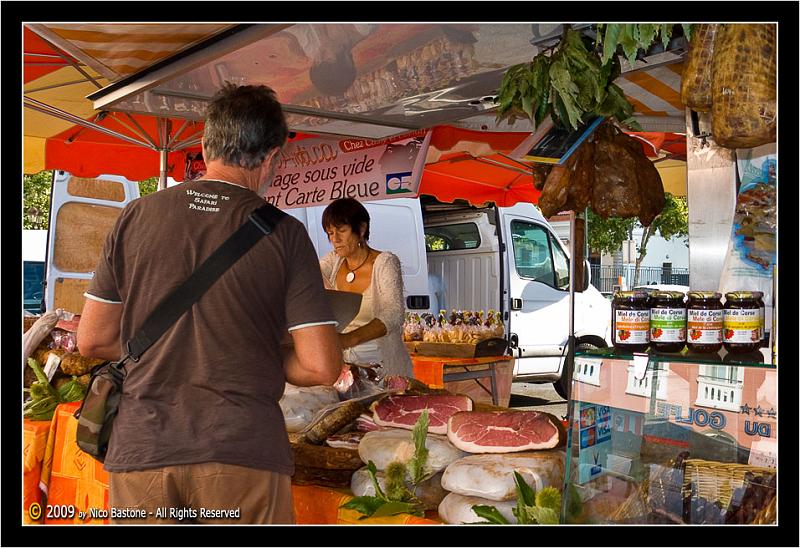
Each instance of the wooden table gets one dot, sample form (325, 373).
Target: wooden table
(435, 370)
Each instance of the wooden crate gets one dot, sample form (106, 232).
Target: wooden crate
(486, 347)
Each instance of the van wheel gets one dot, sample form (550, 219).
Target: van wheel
(561, 385)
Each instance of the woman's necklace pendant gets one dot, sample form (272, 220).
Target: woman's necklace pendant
(350, 277)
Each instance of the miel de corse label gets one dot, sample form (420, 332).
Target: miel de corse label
(705, 326)
(668, 325)
(742, 325)
(632, 326)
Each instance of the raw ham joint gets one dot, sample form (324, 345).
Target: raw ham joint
(403, 411)
(501, 431)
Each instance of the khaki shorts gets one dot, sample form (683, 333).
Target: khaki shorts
(208, 493)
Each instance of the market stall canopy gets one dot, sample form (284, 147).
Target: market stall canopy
(63, 131)
(477, 166)
(371, 80)
(395, 77)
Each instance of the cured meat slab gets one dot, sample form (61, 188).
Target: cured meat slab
(403, 411)
(502, 431)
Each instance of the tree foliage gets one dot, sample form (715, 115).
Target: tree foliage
(608, 235)
(36, 200)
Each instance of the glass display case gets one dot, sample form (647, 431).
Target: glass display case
(672, 439)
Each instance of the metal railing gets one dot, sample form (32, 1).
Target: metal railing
(604, 278)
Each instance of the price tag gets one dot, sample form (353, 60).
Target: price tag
(53, 361)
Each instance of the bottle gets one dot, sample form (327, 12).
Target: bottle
(667, 321)
(742, 322)
(704, 321)
(630, 318)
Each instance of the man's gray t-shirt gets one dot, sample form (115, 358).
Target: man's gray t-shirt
(208, 389)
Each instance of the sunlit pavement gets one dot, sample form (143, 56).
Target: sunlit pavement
(539, 397)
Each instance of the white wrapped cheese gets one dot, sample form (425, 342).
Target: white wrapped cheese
(430, 491)
(300, 403)
(394, 444)
(491, 476)
(457, 509)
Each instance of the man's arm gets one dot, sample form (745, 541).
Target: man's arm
(316, 357)
(98, 330)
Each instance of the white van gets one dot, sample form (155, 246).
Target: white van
(453, 257)
(82, 213)
(34, 249)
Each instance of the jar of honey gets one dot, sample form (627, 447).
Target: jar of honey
(630, 318)
(704, 321)
(742, 322)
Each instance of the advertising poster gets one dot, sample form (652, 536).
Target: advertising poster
(316, 171)
(595, 440)
(752, 249)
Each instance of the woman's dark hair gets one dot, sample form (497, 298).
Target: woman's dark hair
(243, 124)
(346, 211)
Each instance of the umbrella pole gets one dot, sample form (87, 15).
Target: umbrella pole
(569, 363)
(162, 178)
(164, 129)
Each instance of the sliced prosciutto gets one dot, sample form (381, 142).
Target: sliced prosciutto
(403, 411)
(502, 431)
(364, 423)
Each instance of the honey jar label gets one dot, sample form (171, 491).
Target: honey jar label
(742, 325)
(632, 326)
(668, 325)
(704, 326)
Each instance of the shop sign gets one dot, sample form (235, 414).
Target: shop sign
(316, 171)
(717, 420)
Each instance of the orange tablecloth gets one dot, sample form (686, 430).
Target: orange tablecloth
(430, 369)
(320, 505)
(71, 477)
(34, 443)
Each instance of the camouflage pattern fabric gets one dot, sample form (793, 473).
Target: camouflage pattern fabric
(99, 409)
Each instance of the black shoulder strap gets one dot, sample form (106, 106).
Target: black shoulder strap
(260, 223)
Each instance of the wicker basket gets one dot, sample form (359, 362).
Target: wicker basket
(717, 480)
(635, 508)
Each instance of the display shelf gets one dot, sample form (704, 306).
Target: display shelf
(752, 359)
(672, 438)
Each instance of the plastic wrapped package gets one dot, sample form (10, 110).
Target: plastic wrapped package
(299, 404)
(491, 476)
(386, 446)
(457, 509)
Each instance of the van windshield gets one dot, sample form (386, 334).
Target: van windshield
(452, 237)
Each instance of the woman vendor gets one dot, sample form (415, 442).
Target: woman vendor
(376, 333)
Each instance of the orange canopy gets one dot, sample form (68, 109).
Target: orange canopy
(489, 178)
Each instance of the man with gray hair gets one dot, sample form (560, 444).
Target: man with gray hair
(200, 437)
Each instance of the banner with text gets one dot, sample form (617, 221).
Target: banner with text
(316, 171)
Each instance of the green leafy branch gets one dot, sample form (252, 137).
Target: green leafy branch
(399, 497)
(575, 82)
(542, 508)
(571, 85)
(633, 37)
